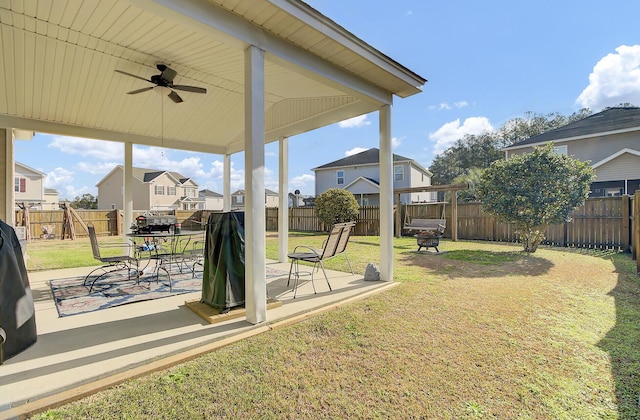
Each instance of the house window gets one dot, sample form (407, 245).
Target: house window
(171, 190)
(340, 177)
(239, 199)
(159, 189)
(189, 192)
(20, 185)
(398, 173)
(560, 150)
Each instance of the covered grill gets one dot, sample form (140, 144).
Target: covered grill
(150, 223)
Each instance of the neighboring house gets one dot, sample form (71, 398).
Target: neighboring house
(28, 186)
(51, 199)
(212, 200)
(297, 200)
(152, 190)
(610, 140)
(270, 199)
(360, 174)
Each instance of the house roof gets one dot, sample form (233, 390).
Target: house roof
(59, 62)
(266, 192)
(368, 157)
(50, 191)
(209, 193)
(610, 121)
(147, 175)
(363, 179)
(30, 169)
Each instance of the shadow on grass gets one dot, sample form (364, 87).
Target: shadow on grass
(478, 263)
(622, 341)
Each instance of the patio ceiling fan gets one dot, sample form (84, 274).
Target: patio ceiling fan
(164, 80)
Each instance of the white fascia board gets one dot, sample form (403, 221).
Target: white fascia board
(115, 168)
(358, 179)
(420, 167)
(29, 169)
(332, 30)
(615, 155)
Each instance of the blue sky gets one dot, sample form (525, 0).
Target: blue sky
(485, 61)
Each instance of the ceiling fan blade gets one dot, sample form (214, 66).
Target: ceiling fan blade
(133, 92)
(133, 75)
(175, 97)
(193, 89)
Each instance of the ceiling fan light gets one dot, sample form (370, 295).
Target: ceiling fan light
(162, 90)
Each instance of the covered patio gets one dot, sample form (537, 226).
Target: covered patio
(81, 354)
(271, 69)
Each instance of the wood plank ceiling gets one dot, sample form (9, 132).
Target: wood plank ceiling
(58, 62)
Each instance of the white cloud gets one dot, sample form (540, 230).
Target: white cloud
(355, 150)
(302, 181)
(99, 149)
(447, 135)
(61, 179)
(615, 79)
(445, 106)
(395, 142)
(359, 121)
(94, 168)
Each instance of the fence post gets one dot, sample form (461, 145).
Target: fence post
(118, 222)
(636, 229)
(625, 228)
(454, 216)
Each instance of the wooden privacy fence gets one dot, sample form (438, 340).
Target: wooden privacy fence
(601, 223)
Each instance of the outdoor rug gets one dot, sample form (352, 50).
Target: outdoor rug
(114, 289)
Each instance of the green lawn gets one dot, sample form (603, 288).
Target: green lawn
(480, 330)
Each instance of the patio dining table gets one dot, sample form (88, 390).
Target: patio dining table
(167, 249)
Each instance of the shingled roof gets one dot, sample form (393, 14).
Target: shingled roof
(612, 120)
(148, 175)
(368, 157)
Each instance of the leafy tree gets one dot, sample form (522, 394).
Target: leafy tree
(534, 190)
(87, 201)
(472, 178)
(336, 206)
(471, 151)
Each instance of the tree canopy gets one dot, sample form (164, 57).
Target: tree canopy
(87, 202)
(534, 190)
(336, 205)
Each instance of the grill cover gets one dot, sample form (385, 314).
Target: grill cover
(17, 312)
(223, 277)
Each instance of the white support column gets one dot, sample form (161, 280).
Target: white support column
(8, 213)
(226, 181)
(283, 207)
(255, 223)
(386, 195)
(127, 188)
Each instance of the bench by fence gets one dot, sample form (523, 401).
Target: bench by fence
(432, 225)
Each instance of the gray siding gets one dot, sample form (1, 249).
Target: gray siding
(593, 149)
(625, 166)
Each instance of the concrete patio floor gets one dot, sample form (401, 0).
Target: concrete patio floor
(81, 354)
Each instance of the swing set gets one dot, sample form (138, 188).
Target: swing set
(429, 231)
